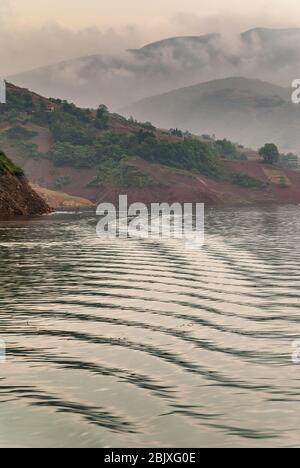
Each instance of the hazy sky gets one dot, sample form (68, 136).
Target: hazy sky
(112, 13)
(37, 32)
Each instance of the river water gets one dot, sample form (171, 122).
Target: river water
(139, 343)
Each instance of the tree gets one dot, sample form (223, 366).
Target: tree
(102, 117)
(102, 111)
(176, 132)
(270, 153)
(226, 148)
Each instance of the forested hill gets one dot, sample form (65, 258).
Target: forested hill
(95, 154)
(36, 128)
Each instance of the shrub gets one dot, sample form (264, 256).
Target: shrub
(17, 132)
(66, 154)
(244, 180)
(6, 165)
(123, 175)
(226, 148)
(62, 182)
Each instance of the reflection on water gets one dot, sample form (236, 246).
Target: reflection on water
(142, 343)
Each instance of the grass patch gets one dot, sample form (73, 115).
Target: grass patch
(244, 180)
(7, 166)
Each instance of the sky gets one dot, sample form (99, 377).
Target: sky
(112, 13)
(38, 32)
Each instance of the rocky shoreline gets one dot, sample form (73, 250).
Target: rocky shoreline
(18, 199)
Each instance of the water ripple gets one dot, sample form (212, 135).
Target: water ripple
(142, 343)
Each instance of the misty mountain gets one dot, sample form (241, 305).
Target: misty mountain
(266, 54)
(252, 112)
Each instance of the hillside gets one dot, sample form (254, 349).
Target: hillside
(248, 111)
(96, 155)
(254, 184)
(17, 198)
(267, 54)
(78, 151)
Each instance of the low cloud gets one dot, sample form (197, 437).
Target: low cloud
(6, 10)
(104, 71)
(29, 48)
(230, 23)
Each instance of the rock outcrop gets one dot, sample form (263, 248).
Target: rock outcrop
(17, 198)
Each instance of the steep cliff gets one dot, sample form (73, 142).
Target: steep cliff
(17, 198)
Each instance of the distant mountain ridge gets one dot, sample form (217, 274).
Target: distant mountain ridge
(248, 111)
(172, 63)
(178, 41)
